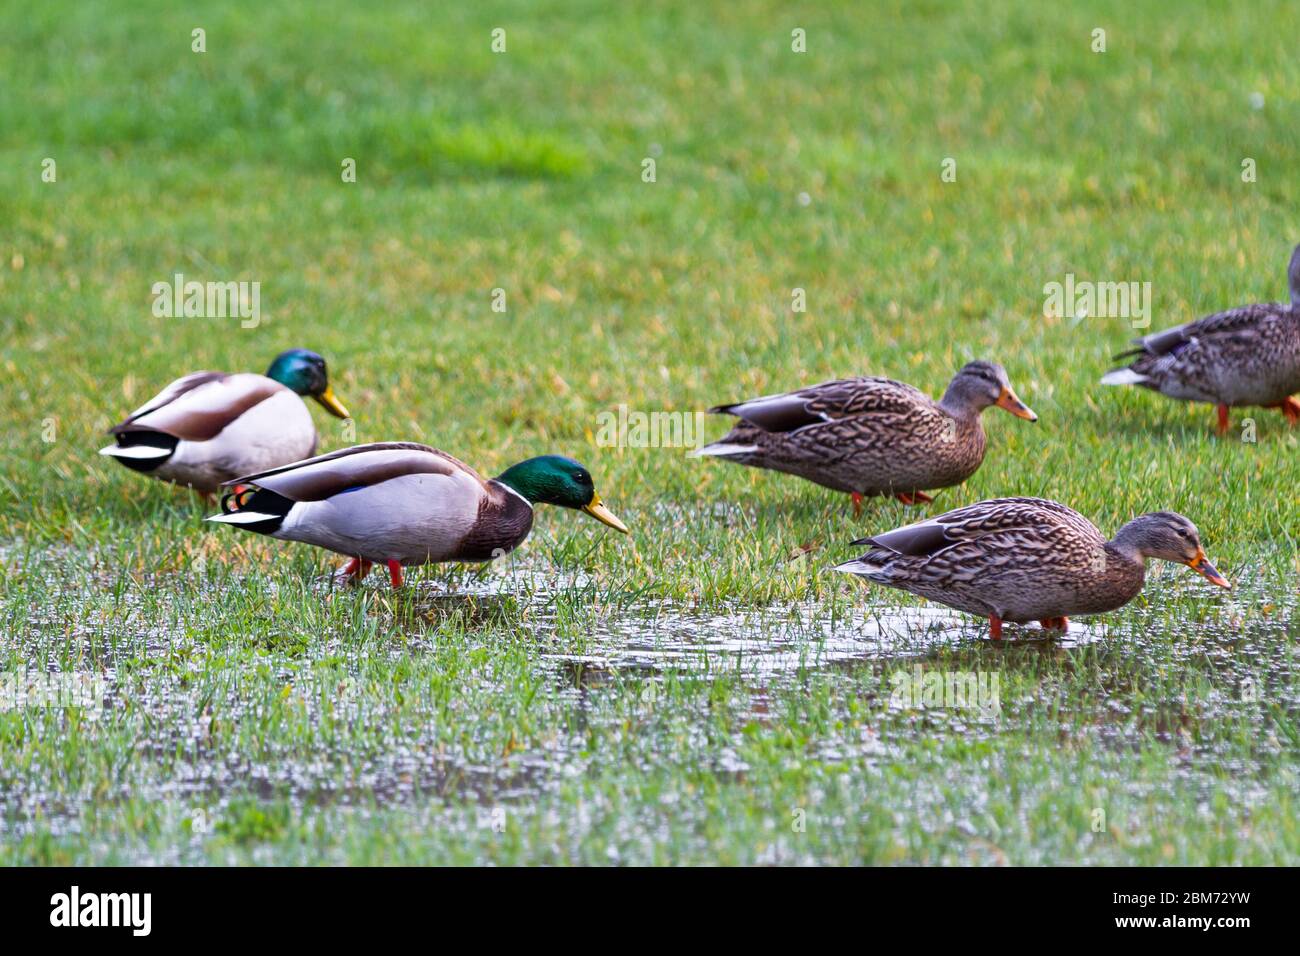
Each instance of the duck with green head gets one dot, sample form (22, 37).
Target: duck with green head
(401, 504)
(209, 427)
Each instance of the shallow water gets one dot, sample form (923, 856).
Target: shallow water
(330, 719)
(777, 640)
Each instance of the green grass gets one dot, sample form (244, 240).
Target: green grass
(685, 695)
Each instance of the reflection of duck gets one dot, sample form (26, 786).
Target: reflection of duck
(871, 436)
(209, 427)
(1025, 559)
(399, 503)
(1244, 356)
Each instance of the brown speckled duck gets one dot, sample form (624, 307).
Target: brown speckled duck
(1244, 356)
(871, 436)
(1027, 559)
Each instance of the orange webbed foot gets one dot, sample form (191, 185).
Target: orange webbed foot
(355, 570)
(1291, 409)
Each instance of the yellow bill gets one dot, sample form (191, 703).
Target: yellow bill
(331, 403)
(603, 514)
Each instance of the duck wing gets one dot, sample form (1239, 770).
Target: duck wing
(199, 406)
(1230, 322)
(361, 466)
(829, 401)
(1031, 517)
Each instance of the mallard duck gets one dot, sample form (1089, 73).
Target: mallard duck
(1245, 356)
(871, 436)
(209, 427)
(401, 504)
(1027, 559)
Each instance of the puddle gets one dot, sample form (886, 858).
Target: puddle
(791, 638)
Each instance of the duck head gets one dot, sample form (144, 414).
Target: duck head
(981, 384)
(556, 480)
(304, 371)
(1170, 537)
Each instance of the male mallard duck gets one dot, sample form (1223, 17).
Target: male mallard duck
(401, 503)
(1245, 356)
(871, 436)
(209, 427)
(1025, 559)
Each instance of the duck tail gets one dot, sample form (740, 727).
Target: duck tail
(1123, 376)
(1129, 353)
(722, 449)
(865, 567)
(253, 508)
(141, 450)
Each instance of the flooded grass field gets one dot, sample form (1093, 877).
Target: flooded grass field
(707, 690)
(526, 715)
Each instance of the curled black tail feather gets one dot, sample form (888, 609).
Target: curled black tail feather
(130, 439)
(253, 499)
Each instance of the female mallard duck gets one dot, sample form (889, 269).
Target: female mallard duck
(1245, 356)
(871, 436)
(209, 427)
(400, 503)
(1026, 559)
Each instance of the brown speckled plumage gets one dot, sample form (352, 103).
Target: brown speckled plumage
(870, 436)
(1026, 559)
(1242, 357)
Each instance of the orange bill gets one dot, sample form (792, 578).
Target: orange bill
(1202, 566)
(1010, 401)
